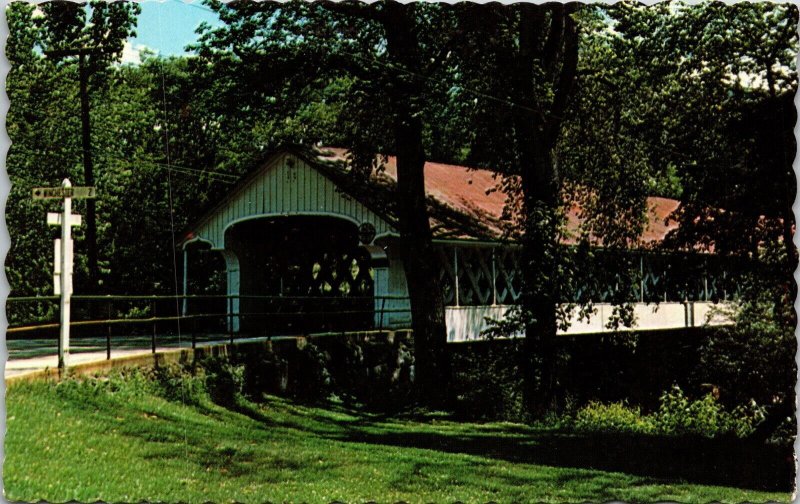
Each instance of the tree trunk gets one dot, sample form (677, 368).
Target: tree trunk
(535, 135)
(541, 292)
(432, 371)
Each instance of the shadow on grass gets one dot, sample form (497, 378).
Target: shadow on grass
(694, 460)
(726, 462)
(730, 462)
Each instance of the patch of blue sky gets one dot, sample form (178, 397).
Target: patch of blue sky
(167, 28)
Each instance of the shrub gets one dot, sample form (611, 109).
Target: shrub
(753, 361)
(265, 373)
(172, 382)
(223, 380)
(177, 383)
(214, 378)
(677, 415)
(309, 377)
(704, 417)
(487, 384)
(755, 357)
(614, 417)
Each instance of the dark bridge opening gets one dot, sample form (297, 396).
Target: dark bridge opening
(302, 274)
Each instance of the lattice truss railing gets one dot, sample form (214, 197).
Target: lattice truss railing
(473, 276)
(339, 273)
(479, 275)
(692, 277)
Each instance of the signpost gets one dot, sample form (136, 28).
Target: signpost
(62, 192)
(62, 264)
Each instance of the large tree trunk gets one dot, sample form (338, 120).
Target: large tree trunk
(536, 129)
(432, 371)
(541, 283)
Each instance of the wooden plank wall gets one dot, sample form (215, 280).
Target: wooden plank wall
(286, 186)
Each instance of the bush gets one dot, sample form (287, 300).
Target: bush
(265, 373)
(486, 381)
(614, 417)
(704, 417)
(172, 382)
(753, 361)
(677, 416)
(212, 379)
(176, 383)
(223, 379)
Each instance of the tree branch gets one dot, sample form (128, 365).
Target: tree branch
(566, 78)
(355, 9)
(452, 43)
(553, 44)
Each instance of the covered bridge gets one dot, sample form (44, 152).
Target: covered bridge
(302, 234)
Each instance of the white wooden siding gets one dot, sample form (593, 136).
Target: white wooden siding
(465, 323)
(286, 186)
(399, 307)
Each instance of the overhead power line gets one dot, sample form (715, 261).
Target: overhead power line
(225, 178)
(172, 216)
(502, 101)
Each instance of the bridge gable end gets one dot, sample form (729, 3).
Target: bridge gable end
(285, 185)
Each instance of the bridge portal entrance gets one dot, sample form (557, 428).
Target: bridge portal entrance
(301, 274)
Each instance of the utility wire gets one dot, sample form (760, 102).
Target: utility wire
(172, 221)
(495, 99)
(108, 155)
(509, 103)
(474, 92)
(228, 178)
(503, 101)
(199, 174)
(172, 165)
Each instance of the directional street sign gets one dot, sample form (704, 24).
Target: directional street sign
(63, 252)
(63, 192)
(54, 219)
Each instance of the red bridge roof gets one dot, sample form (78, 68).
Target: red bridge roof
(474, 194)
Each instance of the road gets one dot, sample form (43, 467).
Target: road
(30, 355)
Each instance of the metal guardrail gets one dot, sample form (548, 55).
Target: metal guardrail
(166, 316)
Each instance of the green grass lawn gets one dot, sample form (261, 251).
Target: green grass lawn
(90, 441)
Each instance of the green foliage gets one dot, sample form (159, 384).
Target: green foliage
(102, 26)
(614, 417)
(224, 380)
(712, 87)
(174, 383)
(114, 440)
(214, 379)
(677, 415)
(665, 101)
(487, 384)
(754, 358)
(126, 383)
(313, 383)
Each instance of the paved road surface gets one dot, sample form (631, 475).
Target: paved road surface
(30, 355)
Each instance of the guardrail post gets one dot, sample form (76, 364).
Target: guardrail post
(724, 285)
(153, 339)
(383, 307)
(686, 312)
(230, 318)
(108, 333)
(494, 278)
(641, 278)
